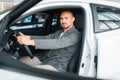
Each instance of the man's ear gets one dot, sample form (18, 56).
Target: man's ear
(73, 19)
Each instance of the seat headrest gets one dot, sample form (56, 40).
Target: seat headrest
(79, 21)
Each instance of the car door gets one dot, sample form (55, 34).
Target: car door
(107, 33)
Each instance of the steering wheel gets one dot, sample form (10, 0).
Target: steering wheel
(28, 51)
(17, 47)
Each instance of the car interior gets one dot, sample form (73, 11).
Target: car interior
(50, 23)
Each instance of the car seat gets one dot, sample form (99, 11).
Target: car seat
(74, 63)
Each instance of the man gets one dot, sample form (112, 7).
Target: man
(62, 44)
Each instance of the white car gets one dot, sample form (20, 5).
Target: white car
(99, 52)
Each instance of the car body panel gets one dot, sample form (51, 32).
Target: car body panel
(108, 57)
(107, 40)
(3, 15)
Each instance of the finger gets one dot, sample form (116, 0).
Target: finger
(19, 40)
(21, 34)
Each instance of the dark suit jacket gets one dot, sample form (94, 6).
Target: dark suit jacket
(61, 49)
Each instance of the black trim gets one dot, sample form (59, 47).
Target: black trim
(95, 17)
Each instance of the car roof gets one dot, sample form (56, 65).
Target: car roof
(100, 2)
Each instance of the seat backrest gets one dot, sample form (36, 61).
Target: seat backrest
(73, 64)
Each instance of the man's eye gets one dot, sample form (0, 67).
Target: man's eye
(66, 18)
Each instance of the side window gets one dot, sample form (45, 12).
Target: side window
(108, 18)
(55, 23)
(55, 20)
(26, 20)
(31, 21)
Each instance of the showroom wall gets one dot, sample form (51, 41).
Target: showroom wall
(5, 4)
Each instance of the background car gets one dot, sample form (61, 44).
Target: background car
(98, 54)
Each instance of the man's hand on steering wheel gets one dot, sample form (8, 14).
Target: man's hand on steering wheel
(25, 41)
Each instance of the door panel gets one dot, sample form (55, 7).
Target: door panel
(108, 36)
(109, 54)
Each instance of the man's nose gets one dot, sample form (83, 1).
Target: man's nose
(63, 20)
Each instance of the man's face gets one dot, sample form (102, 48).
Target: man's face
(66, 20)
